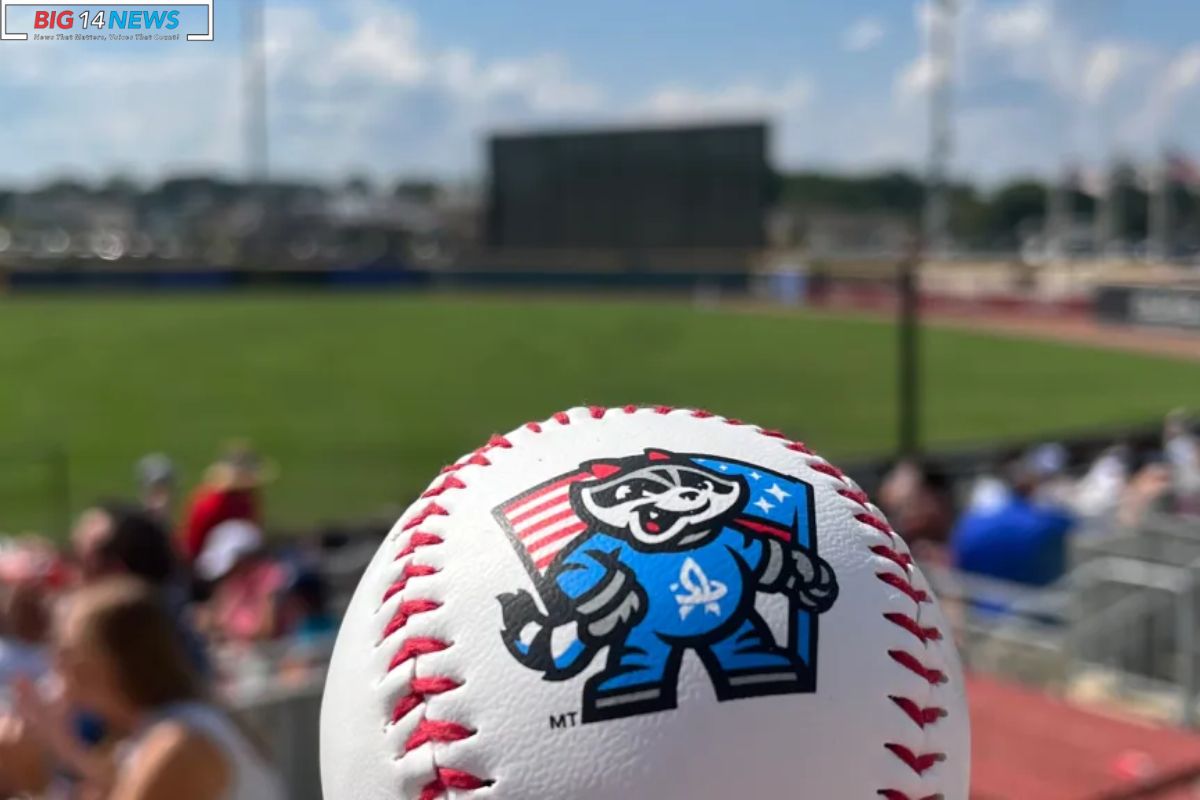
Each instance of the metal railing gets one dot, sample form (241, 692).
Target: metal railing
(276, 689)
(1121, 627)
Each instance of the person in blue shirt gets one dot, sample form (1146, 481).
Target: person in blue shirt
(1017, 540)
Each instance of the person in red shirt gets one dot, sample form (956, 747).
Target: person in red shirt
(231, 491)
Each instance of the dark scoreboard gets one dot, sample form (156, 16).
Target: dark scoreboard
(685, 187)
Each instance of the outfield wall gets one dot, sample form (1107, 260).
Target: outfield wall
(1153, 306)
(388, 277)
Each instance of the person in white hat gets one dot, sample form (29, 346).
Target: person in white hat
(246, 583)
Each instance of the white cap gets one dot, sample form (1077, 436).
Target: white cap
(227, 544)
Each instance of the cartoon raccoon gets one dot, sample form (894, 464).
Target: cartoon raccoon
(673, 559)
(663, 505)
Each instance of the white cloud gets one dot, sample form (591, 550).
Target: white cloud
(916, 79)
(1166, 106)
(676, 101)
(101, 112)
(865, 34)
(1183, 73)
(1105, 66)
(1019, 25)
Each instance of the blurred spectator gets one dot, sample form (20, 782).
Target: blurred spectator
(155, 476)
(247, 585)
(1182, 450)
(988, 491)
(306, 626)
(304, 609)
(231, 491)
(1048, 463)
(117, 538)
(918, 503)
(1020, 540)
(1148, 490)
(24, 627)
(1099, 491)
(116, 653)
(32, 558)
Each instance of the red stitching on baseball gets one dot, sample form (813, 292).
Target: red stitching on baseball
(431, 510)
(912, 626)
(439, 731)
(913, 664)
(416, 646)
(410, 571)
(417, 540)
(407, 609)
(902, 560)
(701, 414)
(450, 482)
(896, 794)
(897, 582)
(919, 762)
(920, 716)
(448, 779)
(857, 495)
(597, 412)
(419, 690)
(876, 523)
(476, 459)
(828, 469)
(799, 447)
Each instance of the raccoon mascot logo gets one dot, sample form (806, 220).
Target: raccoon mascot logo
(661, 553)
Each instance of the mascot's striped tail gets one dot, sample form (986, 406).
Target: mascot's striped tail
(552, 647)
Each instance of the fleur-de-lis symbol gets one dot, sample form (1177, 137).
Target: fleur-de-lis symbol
(701, 591)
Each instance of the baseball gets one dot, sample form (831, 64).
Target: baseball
(643, 603)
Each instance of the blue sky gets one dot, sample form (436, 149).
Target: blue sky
(390, 88)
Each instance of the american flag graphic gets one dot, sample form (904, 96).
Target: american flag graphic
(542, 522)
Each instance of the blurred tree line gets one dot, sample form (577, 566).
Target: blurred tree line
(999, 216)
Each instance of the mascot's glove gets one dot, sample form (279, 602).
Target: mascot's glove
(801, 575)
(615, 604)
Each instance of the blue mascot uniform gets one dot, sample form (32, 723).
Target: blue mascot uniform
(676, 552)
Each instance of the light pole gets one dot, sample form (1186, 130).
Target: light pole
(933, 237)
(254, 91)
(941, 135)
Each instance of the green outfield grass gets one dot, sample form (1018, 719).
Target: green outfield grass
(360, 399)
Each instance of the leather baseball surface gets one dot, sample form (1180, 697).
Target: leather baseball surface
(645, 603)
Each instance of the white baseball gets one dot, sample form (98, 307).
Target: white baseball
(614, 603)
